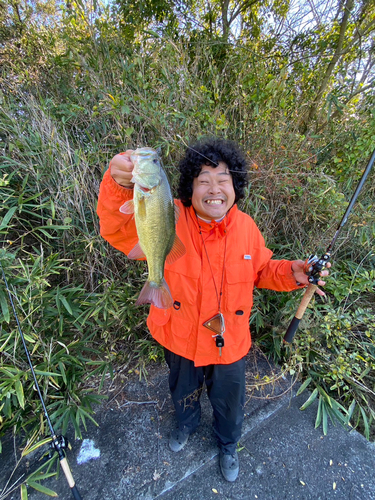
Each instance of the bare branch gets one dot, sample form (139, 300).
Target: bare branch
(344, 23)
(241, 8)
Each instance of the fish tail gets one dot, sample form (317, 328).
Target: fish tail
(158, 295)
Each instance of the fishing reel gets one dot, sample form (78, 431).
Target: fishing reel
(314, 265)
(57, 444)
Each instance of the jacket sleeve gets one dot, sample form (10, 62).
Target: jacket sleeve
(117, 228)
(277, 275)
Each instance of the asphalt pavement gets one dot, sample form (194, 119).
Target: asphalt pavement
(282, 455)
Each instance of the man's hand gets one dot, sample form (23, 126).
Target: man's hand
(301, 277)
(122, 169)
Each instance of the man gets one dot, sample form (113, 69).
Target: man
(206, 333)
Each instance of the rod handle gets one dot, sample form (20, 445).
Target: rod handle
(291, 331)
(75, 493)
(69, 478)
(307, 296)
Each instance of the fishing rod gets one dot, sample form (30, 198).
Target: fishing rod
(314, 265)
(58, 442)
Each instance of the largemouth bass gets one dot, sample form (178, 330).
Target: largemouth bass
(154, 213)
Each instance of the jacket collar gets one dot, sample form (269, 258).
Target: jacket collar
(221, 227)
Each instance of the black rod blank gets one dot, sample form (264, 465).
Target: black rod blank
(325, 257)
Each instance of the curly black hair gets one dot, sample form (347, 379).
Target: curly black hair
(210, 151)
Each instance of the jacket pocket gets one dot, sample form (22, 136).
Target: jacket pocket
(180, 327)
(183, 279)
(159, 316)
(239, 288)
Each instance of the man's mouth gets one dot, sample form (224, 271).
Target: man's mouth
(214, 202)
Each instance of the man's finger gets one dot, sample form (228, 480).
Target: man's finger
(319, 291)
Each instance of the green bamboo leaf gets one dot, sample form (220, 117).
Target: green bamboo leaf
(29, 338)
(81, 416)
(63, 374)
(340, 412)
(40, 477)
(311, 399)
(35, 446)
(75, 422)
(57, 226)
(38, 474)
(33, 197)
(9, 371)
(42, 489)
(53, 210)
(24, 183)
(304, 386)
(327, 398)
(89, 416)
(7, 218)
(47, 374)
(24, 492)
(20, 394)
(364, 373)
(152, 32)
(45, 233)
(4, 307)
(335, 414)
(66, 304)
(318, 419)
(2, 347)
(325, 419)
(365, 423)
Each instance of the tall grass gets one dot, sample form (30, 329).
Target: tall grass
(75, 295)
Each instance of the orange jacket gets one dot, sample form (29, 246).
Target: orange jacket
(247, 264)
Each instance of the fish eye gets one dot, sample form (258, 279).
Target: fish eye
(155, 160)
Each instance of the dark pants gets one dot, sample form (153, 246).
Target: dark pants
(226, 391)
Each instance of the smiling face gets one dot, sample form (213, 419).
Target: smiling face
(213, 192)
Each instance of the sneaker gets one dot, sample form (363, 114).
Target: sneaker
(178, 439)
(229, 466)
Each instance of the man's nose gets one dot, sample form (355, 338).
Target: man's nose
(214, 187)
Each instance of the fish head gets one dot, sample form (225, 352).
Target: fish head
(147, 172)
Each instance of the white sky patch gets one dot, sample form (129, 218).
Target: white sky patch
(87, 452)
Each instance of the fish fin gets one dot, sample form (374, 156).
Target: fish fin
(177, 251)
(127, 207)
(176, 213)
(136, 252)
(159, 296)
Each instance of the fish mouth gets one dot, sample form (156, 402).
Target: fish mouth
(146, 188)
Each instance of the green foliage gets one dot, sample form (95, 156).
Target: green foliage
(62, 356)
(336, 351)
(77, 86)
(74, 311)
(34, 478)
